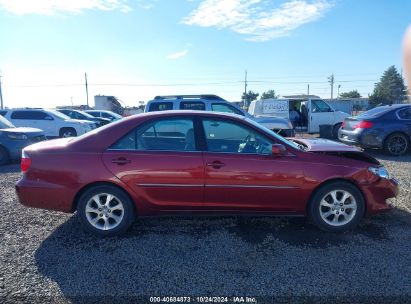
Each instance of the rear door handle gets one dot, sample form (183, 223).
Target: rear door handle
(121, 161)
(216, 164)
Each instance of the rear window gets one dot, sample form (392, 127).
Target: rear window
(160, 106)
(192, 105)
(374, 112)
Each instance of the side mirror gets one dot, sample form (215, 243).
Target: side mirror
(278, 150)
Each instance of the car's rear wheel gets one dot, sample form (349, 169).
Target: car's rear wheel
(337, 206)
(106, 210)
(68, 132)
(396, 144)
(336, 128)
(4, 156)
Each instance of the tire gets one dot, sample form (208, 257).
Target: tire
(68, 132)
(4, 156)
(106, 218)
(329, 215)
(336, 128)
(396, 144)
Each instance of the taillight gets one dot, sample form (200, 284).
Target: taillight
(25, 162)
(343, 125)
(363, 125)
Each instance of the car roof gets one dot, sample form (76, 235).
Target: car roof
(188, 113)
(207, 98)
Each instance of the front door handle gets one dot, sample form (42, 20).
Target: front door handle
(216, 164)
(121, 161)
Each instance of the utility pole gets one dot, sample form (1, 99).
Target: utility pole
(85, 75)
(308, 89)
(338, 93)
(1, 97)
(245, 90)
(331, 82)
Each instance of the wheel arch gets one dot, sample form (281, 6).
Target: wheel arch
(95, 184)
(334, 180)
(5, 149)
(397, 132)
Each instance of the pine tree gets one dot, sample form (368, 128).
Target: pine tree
(390, 89)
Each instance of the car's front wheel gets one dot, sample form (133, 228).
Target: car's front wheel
(337, 206)
(106, 210)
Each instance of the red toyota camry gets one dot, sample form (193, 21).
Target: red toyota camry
(198, 162)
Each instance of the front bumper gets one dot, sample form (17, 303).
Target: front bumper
(379, 195)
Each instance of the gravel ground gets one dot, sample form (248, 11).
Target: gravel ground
(46, 257)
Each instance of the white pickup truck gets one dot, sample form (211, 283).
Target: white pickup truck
(311, 113)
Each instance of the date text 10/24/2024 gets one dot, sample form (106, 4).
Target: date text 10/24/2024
(205, 299)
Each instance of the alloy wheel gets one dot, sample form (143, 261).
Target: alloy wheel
(338, 207)
(397, 145)
(104, 211)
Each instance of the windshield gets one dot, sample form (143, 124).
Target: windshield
(277, 136)
(59, 114)
(87, 115)
(5, 124)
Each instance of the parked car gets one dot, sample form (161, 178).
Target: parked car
(13, 140)
(53, 123)
(77, 114)
(104, 114)
(385, 127)
(201, 162)
(306, 113)
(215, 103)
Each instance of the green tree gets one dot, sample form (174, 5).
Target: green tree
(248, 97)
(269, 94)
(351, 94)
(390, 89)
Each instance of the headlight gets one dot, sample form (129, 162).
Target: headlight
(17, 136)
(380, 171)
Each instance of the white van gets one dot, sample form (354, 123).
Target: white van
(312, 112)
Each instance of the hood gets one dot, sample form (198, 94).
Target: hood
(23, 130)
(324, 145)
(333, 148)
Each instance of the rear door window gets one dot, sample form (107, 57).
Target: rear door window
(160, 135)
(160, 106)
(405, 113)
(3, 113)
(192, 105)
(31, 115)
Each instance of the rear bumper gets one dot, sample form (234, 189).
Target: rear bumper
(362, 137)
(32, 194)
(378, 195)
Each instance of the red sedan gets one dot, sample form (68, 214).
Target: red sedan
(197, 162)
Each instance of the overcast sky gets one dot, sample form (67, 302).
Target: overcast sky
(137, 49)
